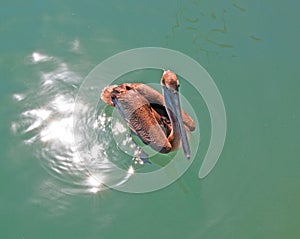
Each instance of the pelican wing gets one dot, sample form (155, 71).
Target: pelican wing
(156, 99)
(142, 119)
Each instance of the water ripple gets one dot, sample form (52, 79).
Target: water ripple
(46, 125)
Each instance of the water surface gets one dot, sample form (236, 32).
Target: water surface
(250, 48)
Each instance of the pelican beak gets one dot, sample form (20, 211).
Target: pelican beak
(171, 95)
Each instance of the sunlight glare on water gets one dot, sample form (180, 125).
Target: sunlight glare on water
(48, 129)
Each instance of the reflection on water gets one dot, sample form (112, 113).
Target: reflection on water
(46, 124)
(206, 29)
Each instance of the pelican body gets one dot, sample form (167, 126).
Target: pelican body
(157, 119)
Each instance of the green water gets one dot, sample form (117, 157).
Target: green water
(250, 48)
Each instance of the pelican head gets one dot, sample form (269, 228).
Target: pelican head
(169, 80)
(170, 85)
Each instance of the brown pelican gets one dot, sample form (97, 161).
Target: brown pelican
(156, 119)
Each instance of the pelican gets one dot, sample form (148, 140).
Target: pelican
(157, 119)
